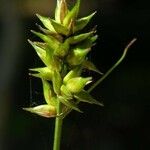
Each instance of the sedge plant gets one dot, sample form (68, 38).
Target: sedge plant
(64, 49)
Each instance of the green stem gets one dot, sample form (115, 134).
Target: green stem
(113, 67)
(58, 128)
(59, 120)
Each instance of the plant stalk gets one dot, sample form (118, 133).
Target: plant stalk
(58, 128)
(113, 67)
(59, 120)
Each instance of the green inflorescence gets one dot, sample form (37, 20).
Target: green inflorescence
(64, 50)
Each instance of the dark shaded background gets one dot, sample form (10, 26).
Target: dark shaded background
(123, 124)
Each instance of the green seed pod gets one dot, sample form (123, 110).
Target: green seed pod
(44, 73)
(52, 62)
(47, 23)
(75, 85)
(90, 66)
(84, 96)
(62, 50)
(88, 43)
(79, 38)
(65, 92)
(46, 55)
(48, 93)
(77, 56)
(50, 40)
(47, 32)
(61, 11)
(57, 82)
(40, 51)
(72, 15)
(56, 64)
(45, 110)
(72, 74)
(81, 23)
(60, 28)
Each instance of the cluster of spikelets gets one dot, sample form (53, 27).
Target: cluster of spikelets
(64, 52)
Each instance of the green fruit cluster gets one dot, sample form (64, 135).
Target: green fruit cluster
(63, 51)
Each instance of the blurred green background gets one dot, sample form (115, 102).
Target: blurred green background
(123, 124)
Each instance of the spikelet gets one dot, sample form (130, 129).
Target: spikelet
(64, 51)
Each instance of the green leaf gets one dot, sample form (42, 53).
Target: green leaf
(45, 110)
(81, 23)
(84, 96)
(75, 85)
(90, 66)
(79, 38)
(61, 11)
(72, 15)
(60, 28)
(50, 40)
(47, 23)
(69, 103)
(57, 82)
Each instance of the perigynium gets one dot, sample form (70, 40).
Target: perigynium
(64, 52)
